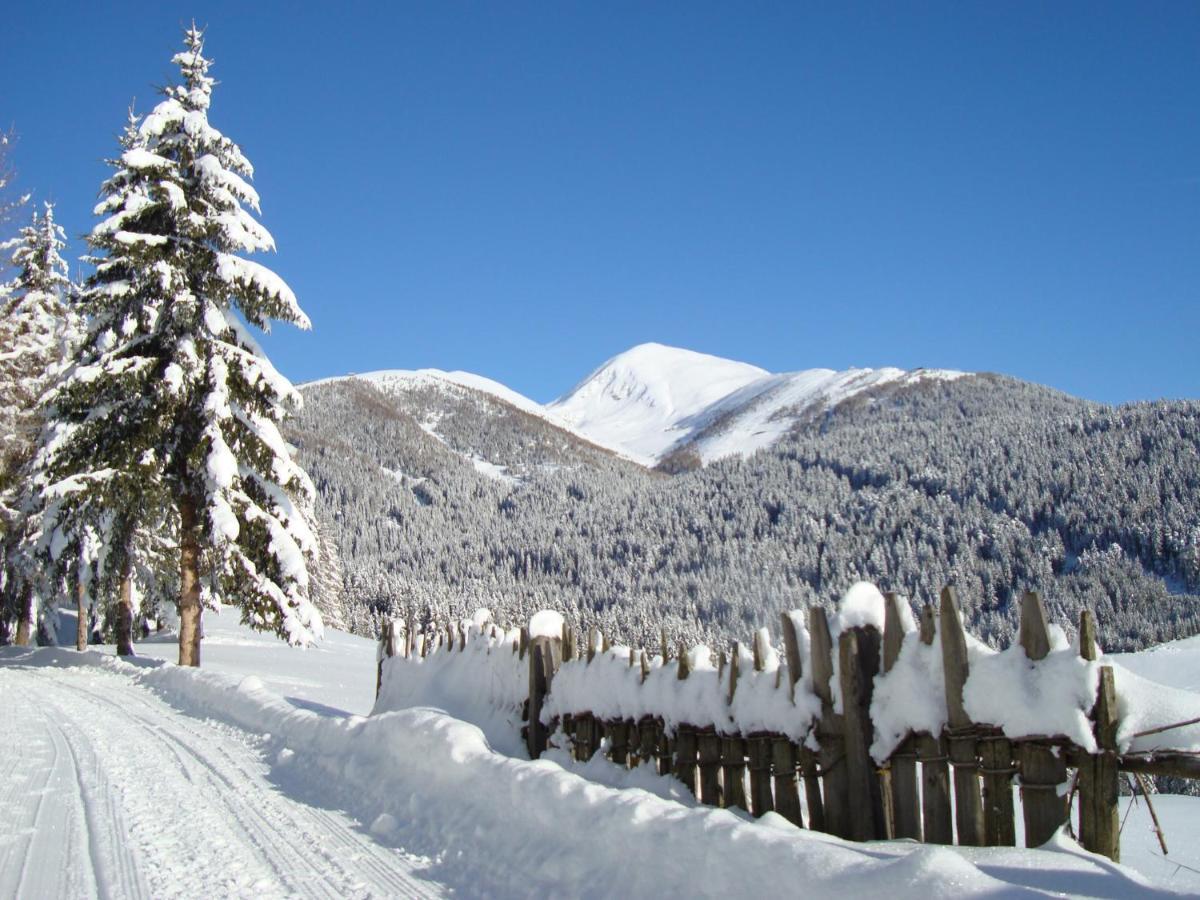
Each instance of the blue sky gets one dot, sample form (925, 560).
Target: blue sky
(523, 190)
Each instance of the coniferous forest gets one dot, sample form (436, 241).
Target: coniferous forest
(987, 483)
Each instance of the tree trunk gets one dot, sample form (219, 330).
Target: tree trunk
(25, 617)
(125, 616)
(189, 585)
(81, 623)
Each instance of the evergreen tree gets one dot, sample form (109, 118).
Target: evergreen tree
(169, 423)
(37, 329)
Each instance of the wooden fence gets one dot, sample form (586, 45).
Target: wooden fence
(846, 792)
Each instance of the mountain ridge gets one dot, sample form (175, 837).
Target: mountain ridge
(665, 406)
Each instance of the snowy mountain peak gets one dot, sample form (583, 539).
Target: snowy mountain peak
(653, 401)
(637, 399)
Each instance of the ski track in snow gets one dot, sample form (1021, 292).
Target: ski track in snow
(105, 757)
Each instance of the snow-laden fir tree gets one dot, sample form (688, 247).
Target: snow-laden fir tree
(169, 423)
(37, 331)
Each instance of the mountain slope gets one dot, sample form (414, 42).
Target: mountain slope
(986, 482)
(664, 405)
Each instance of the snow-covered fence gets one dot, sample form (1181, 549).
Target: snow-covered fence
(868, 726)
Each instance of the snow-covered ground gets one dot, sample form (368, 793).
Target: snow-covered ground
(253, 777)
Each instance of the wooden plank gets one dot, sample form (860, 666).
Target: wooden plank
(539, 664)
(685, 756)
(932, 753)
(791, 650)
(1099, 777)
(758, 757)
(666, 748)
(1042, 769)
(893, 628)
(648, 740)
(812, 788)
(685, 664)
(831, 755)
(581, 743)
(858, 650)
(594, 642)
(937, 821)
(734, 664)
(783, 771)
(903, 793)
(1035, 629)
(1087, 636)
(1176, 764)
(999, 822)
(618, 732)
(733, 772)
(709, 748)
(1043, 773)
(968, 801)
(758, 746)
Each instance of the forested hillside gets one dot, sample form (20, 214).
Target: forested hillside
(442, 498)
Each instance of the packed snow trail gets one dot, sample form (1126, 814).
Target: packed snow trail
(133, 799)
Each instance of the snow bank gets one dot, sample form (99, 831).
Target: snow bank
(486, 683)
(507, 827)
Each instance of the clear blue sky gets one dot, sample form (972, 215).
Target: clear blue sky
(523, 190)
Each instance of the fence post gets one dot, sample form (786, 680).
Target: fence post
(936, 818)
(387, 649)
(784, 754)
(758, 746)
(544, 658)
(905, 806)
(858, 651)
(1099, 822)
(831, 756)
(733, 750)
(1042, 771)
(685, 735)
(961, 731)
(999, 820)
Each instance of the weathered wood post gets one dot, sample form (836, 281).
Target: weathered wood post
(387, 649)
(904, 790)
(1042, 769)
(858, 651)
(784, 757)
(961, 730)
(545, 656)
(618, 731)
(758, 746)
(936, 818)
(1099, 822)
(709, 746)
(685, 735)
(999, 821)
(733, 749)
(831, 756)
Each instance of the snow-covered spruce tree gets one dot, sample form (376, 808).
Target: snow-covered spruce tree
(37, 332)
(169, 424)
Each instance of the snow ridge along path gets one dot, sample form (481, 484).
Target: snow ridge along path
(135, 800)
(153, 780)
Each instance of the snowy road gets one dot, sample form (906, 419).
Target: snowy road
(135, 800)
